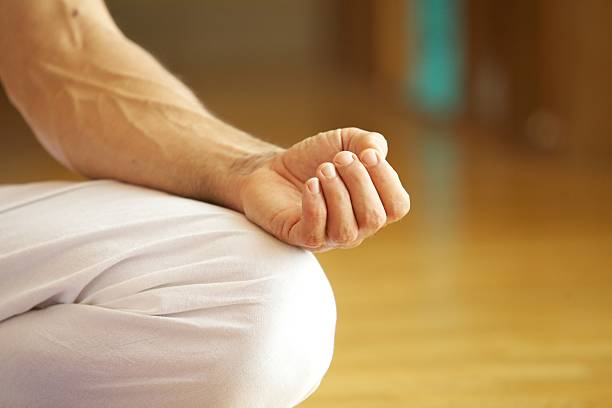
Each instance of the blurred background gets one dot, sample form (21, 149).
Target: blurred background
(496, 291)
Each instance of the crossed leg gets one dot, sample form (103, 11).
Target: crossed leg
(115, 295)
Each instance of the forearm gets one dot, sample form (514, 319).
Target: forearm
(105, 108)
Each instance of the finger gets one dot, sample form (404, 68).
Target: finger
(368, 208)
(309, 232)
(357, 140)
(341, 224)
(394, 197)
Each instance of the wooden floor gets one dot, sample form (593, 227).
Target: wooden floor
(496, 291)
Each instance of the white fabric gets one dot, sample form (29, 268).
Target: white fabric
(113, 295)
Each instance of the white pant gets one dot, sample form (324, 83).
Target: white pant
(118, 296)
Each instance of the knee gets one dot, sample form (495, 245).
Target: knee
(289, 349)
(263, 311)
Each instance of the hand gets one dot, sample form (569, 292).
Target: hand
(331, 190)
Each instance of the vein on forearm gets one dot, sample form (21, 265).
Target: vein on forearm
(89, 81)
(105, 107)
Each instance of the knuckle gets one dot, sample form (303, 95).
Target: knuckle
(374, 219)
(399, 208)
(344, 236)
(313, 242)
(377, 139)
(347, 133)
(378, 136)
(338, 134)
(354, 244)
(350, 129)
(315, 213)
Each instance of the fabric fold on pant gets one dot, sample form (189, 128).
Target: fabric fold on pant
(118, 295)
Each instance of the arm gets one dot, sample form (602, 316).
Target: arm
(106, 108)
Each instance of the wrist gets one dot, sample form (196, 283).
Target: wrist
(226, 158)
(243, 169)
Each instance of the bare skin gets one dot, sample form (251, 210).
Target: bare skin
(105, 108)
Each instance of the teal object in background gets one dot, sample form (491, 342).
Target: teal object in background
(435, 79)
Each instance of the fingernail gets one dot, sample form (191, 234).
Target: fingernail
(344, 158)
(328, 170)
(369, 157)
(313, 185)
